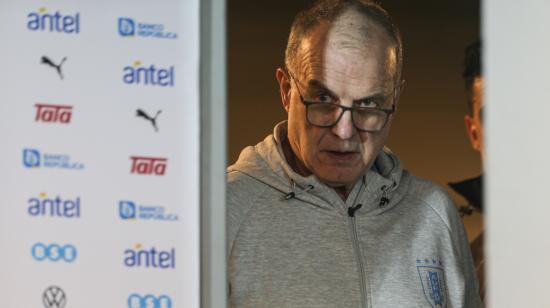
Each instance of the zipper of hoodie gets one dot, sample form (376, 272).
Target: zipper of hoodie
(358, 254)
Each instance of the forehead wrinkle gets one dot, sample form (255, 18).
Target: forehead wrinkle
(344, 41)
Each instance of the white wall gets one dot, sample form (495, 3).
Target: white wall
(517, 46)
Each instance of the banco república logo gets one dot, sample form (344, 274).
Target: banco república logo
(130, 210)
(149, 301)
(53, 113)
(130, 27)
(34, 159)
(44, 20)
(54, 297)
(151, 75)
(138, 256)
(54, 252)
(56, 206)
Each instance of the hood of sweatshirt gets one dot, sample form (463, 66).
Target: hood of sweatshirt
(379, 190)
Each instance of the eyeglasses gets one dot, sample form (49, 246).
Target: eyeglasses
(365, 119)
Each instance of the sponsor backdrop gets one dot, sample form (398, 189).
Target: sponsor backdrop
(100, 154)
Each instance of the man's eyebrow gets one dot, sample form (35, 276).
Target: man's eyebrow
(375, 98)
(317, 85)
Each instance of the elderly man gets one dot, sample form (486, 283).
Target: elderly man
(319, 214)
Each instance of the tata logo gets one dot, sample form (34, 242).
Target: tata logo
(129, 210)
(149, 301)
(50, 113)
(34, 159)
(129, 27)
(151, 75)
(54, 297)
(148, 165)
(54, 206)
(42, 20)
(53, 252)
(150, 258)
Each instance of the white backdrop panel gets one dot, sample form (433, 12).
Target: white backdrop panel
(518, 96)
(82, 205)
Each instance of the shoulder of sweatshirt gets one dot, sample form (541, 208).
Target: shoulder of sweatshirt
(434, 198)
(242, 191)
(243, 188)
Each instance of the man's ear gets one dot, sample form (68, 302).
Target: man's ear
(284, 87)
(398, 90)
(473, 132)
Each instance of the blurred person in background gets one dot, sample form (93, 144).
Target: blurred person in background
(472, 189)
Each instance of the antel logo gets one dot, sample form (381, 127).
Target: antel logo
(49, 113)
(129, 210)
(54, 297)
(148, 165)
(33, 158)
(140, 257)
(54, 252)
(148, 75)
(54, 206)
(149, 301)
(53, 22)
(129, 27)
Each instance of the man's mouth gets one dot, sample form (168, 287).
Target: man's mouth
(342, 156)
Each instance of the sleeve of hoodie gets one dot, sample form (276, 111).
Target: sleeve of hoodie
(242, 190)
(442, 203)
(473, 298)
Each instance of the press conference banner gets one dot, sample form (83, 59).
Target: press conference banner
(99, 168)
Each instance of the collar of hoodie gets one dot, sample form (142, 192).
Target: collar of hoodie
(378, 190)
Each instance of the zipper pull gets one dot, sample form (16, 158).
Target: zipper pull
(384, 199)
(352, 209)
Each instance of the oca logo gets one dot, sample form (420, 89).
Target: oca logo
(149, 301)
(54, 252)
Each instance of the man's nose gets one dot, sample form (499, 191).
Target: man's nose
(344, 128)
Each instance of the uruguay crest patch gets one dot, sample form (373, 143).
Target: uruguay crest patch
(432, 279)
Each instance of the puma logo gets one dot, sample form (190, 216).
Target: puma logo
(49, 62)
(142, 114)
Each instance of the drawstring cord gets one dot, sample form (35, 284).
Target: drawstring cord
(292, 194)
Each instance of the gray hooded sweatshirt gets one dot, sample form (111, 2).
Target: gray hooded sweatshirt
(397, 241)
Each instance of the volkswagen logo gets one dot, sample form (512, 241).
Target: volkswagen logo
(53, 252)
(149, 301)
(54, 297)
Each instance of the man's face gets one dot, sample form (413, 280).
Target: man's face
(344, 67)
(474, 122)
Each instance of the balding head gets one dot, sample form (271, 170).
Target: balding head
(355, 24)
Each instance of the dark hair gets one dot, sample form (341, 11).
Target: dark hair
(472, 68)
(326, 11)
